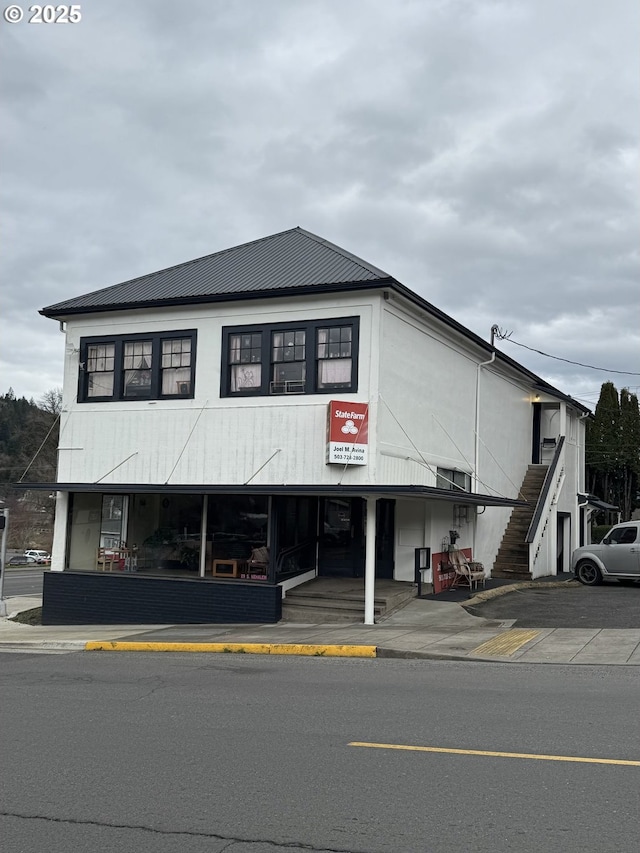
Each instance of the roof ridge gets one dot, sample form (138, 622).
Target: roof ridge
(344, 252)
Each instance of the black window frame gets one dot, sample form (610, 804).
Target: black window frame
(446, 479)
(119, 341)
(266, 330)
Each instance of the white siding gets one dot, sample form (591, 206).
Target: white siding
(208, 439)
(421, 379)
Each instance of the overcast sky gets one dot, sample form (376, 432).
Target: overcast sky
(483, 152)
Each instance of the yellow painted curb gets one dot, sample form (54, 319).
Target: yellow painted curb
(505, 644)
(490, 754)
(236, 648)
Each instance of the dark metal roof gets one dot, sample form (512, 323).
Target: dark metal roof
(425, 492)
(290, 260)
(597, 503)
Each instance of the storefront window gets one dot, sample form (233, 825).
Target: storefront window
(164, 531)
(236, 526)
(161, 534)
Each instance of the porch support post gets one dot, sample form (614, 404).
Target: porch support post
(370, 562)
(60, 544)
(203, 536)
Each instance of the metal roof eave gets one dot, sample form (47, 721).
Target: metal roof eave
(59, 311)
(596, 502)
(424, 492)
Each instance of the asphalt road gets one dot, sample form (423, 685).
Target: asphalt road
(573, 606)
(161, 753)
(19, 581)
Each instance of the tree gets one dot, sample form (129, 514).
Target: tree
(613, 449)
(629, 451)
(602, 441)
(51, 401)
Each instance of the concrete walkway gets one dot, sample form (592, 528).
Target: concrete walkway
(435, 630)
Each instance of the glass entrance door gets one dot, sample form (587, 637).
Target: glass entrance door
(342, 537)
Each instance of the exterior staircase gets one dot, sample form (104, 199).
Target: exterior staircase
(512, 559)
(336, 600)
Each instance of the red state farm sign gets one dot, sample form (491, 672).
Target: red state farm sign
(348, 433)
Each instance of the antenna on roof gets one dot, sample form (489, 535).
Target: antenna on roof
(496, 331)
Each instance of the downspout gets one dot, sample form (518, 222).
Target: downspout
(580, 534)
(476, 452)
(494, 329)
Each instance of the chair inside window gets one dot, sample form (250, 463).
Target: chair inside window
(468, 572)
(258, 563)
(110, 559)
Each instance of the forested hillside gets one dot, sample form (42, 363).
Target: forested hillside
(28, 453)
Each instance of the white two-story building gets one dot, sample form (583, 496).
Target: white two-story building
(289, 401)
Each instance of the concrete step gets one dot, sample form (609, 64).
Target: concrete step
(515, 576)
(321, 615)
(346, 603)
(314, 603)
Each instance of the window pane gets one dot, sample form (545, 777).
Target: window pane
(288, 346)
(444, 478)
(288, 378)
(234, 349)
(332, 372)
(245, 358)
(100, 369)
(176, 353)
(335, 365)
(100, 385)
(176, 367)
(176, 381)
(245, 378)
(137, 355)
(137, 368)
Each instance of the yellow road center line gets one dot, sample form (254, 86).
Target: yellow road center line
(505, 644)
(237, 648)
(488, 754)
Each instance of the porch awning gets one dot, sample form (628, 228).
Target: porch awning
(597, 503)
(360, 491)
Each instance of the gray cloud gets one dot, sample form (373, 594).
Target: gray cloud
(484, 153)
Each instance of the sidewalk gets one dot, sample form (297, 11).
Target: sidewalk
(427, 629)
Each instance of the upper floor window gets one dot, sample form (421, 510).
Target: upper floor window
(286, 358)
(456, 481)
(133, 367)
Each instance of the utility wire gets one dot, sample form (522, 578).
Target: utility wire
(505, 337)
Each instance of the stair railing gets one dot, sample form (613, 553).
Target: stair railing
(288, 557)
(537, 539)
